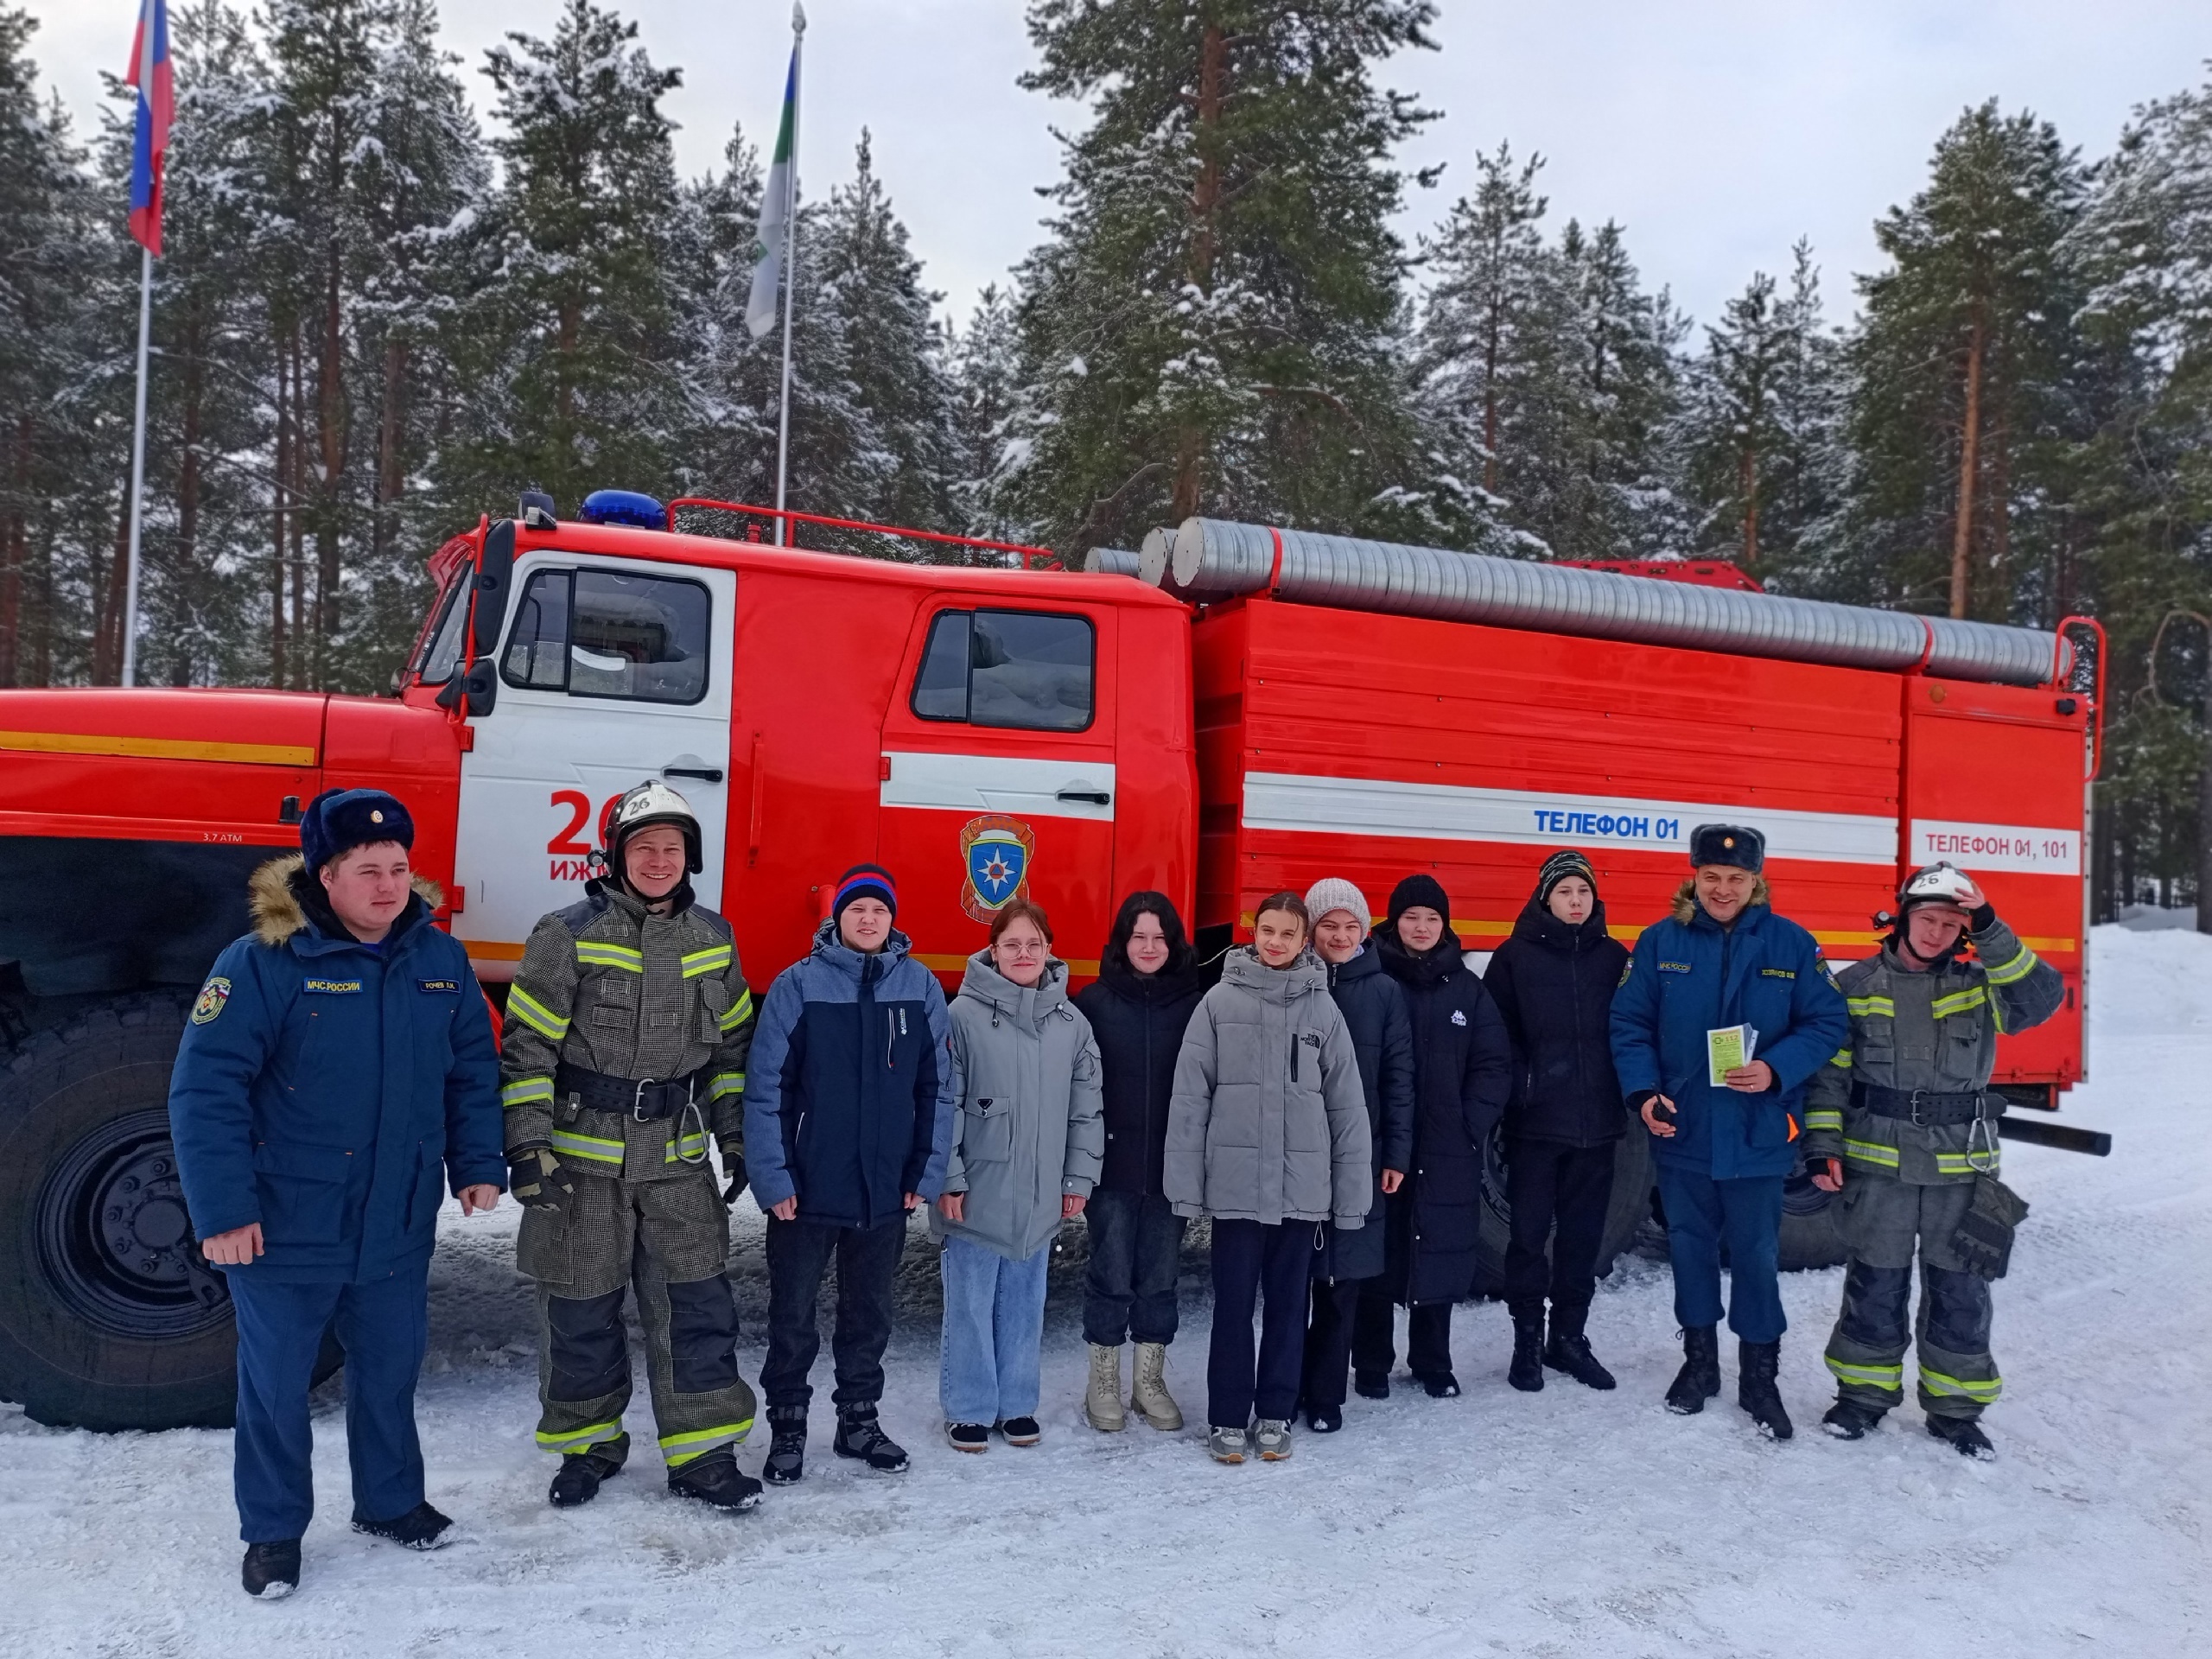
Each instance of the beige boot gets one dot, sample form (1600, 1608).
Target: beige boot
(1102, 1402)
(1148, 1390)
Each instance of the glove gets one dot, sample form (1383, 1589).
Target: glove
(537, 1178)
(734, 1166)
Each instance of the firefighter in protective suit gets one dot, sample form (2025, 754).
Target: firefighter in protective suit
(1903, 1124)
(627, 1032)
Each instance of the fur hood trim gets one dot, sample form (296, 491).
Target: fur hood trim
(1686, 898)
(277, 910)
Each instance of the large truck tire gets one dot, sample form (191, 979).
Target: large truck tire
(1809, 1238)
(109, 1318)
(1629, 1209)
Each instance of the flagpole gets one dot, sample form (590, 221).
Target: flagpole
(790, 276)
(138, 471)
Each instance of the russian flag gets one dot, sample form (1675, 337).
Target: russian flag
(149, 74)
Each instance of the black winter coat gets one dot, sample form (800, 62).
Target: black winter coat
(1553, 985)
(1463, 1071)
(1138, 1021)
(1382, 1036)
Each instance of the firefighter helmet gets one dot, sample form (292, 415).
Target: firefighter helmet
(1940, 883)
(648, 804)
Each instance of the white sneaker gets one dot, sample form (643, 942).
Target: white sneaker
(1273, 1437)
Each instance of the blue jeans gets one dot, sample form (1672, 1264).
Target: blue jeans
(1137, 1248)
(1746, 1215)
(993, 1325)
(383, 1327)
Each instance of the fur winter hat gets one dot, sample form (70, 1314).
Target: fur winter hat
(338, 820)
(1334, 893)
(1728, 844)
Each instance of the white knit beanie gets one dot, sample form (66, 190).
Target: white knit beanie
(1334, 893)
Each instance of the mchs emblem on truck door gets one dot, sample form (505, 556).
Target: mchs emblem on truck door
(996, 851)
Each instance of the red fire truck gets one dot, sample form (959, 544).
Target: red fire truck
(982, 729)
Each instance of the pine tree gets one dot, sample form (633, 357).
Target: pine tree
(1759, 423)
(1492, 336)
(55, 253)
(569, 345)
(1959, 363)
(987, 399)
(1212, 324)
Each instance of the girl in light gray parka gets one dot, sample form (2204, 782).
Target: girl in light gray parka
(1266, 1134)
(1027, 1142)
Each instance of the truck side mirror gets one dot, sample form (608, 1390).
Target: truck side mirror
(494, 574)
(481, 686)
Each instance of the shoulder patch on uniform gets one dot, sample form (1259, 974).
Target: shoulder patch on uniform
(331, 987)
(1627, 968)
(1827, 972)
(213, 995)
(1779, 973)
(452, 986)
(1675, 968)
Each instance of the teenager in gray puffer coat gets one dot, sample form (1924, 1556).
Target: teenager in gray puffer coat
(1027, 1142)
(1268, 1135)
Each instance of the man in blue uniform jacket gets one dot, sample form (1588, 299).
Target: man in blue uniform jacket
(1723, 958)
(338, 1072)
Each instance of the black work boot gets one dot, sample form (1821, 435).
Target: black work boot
(860, 1436)
(1755, 1364)
(578, 1478)
(420, 1527)
(1849, 1421)
(1964, 1436)
(270, 1571)
(788, 1449)
(1526, 1369)
(1699, 1380)
(1568, 1350)
(714, 1478)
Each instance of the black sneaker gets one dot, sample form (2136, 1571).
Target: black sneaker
(969, 1437)
(1021, 1430)
(577, 1480)
(420, 1527)
(271, 1571)
(1441, 1385)
(1325, 1420)
(788, 1449)
(1371, 1385)
(1964, 1436)
(860, 1437)
(714, 1479)
(1848, 1420)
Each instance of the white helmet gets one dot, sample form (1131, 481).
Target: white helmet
(1941, 883)
(651, 802)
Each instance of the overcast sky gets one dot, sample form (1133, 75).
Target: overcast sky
(1717, 131)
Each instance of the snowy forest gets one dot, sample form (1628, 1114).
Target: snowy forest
(379, 316)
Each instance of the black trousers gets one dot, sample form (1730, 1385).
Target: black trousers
(1137, 1248)
(1255, 1262)
(1328, 1339)
(1428, 1333)
(799, 1253)
(1551, 1186)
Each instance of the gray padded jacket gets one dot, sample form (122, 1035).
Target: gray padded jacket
(1269, 1122)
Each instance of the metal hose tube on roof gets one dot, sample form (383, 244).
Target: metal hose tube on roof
(1112, 562)
(1213, 559)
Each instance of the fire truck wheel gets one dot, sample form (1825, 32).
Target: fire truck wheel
(1809, 1238)
(109, 1319)
(1629, 1209)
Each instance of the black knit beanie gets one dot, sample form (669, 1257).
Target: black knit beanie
(1558, 867)
(1419, 889)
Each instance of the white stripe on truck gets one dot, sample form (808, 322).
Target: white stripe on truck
(1374, 806)
(999, 783)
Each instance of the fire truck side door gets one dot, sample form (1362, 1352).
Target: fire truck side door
(612, 671)
(999, 775)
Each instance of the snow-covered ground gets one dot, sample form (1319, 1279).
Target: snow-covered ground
(1567, 1522)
